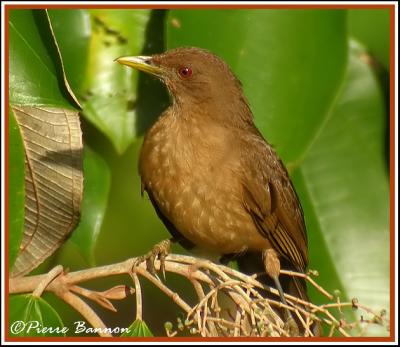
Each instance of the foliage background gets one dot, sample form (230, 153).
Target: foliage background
(317, 82)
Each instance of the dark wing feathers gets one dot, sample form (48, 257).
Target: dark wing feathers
(270, 198)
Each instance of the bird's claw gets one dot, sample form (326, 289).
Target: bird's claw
(160, 251)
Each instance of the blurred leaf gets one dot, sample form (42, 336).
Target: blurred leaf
(33, 314)
(33, 74)
(152, 96)
(16, 188)
(111, 115)
(344, 187)
(290, 63)
(95, 198)
(72, 29)
(372, 28)
(138, 329)
(106, 90)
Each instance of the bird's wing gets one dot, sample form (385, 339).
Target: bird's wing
(271, 200)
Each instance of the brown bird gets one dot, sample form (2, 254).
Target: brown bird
(213, 179)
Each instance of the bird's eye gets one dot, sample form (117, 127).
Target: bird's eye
(185, 72)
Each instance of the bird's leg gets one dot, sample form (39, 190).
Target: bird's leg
(273, 267)
(160, 251)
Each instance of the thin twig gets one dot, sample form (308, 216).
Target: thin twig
(50, 276)
(95, 296)
(138, 289)
(173, 295)
(86, 311)
(309, 279)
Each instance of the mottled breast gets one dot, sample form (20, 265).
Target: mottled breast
(192, 174)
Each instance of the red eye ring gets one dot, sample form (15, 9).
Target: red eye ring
(185, 72)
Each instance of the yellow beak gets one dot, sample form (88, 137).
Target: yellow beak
(142, 63)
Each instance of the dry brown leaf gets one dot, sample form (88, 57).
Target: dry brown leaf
(119, 292)
(52, 139)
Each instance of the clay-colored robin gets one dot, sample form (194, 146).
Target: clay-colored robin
(212, 177)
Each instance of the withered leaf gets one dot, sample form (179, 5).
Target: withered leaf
(118, 292)
(52, 139)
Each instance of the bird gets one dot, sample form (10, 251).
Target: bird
(212, 177)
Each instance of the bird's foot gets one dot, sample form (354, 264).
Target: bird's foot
(160, 251)
(273, 268)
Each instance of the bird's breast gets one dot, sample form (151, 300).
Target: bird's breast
(193, 177)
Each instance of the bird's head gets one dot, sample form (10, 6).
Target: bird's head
(193, 77)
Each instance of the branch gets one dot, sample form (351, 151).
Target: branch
(230, 303)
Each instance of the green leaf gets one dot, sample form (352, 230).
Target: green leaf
(16, 188)
(95, 198)
(343, 184)
(33, 71)
(290, 63)
(138, 329)
(106, 90)
(375, 37)
(31, 316)
(72, 30)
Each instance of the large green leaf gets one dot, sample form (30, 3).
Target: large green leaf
(106, 91)
(31, 316)
(290, 62)
(95, 197)
(72, 30)
(375, 37)
(16, 188)
(33, 65)
(344, 182)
